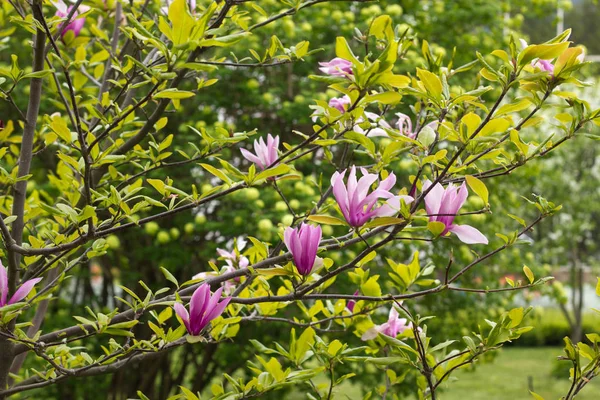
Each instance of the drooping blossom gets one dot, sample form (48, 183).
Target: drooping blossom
(203, 309)
(357, 205)
(234, 258)
(378, 125)
(266, 153)
(351, 303)
(443, 205)
(303, 243)
(340, 103)
(76, 23)
(19, 294)
(392, 328)
(336, 67)
(405, 127)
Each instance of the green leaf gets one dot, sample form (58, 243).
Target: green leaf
(432, 83)
(169, 276)
(598, 287)
(528, 273)
(182, 22)
(216, 172)
(173, 94)
(536, 396)
(277, 170)
(513, 107)
(342, 50)
(382, 28)
(326, 220)
(542, 51)
(436, 227)
(478, 187)
(385, 98)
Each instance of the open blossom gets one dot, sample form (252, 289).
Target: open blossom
(340, 103)
(203, 309)
(266, 153)
(357, 205)
(336, 67)
(21, 292)
(76, 23)
(392, 328)
(442, 205)
(303, 243)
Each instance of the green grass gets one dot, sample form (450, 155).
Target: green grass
(506, 378)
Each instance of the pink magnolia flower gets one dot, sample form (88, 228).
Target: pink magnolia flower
(340, 103)
(336, 67)
(357, 205)
(303, 243)
(234, 258)
(392, 328)
(203, 309)
(405, 125)
(351, 303)
(542, 65)
(266, 153)
(442, 205)
(378, 125)
(21, 292)
(75, 24)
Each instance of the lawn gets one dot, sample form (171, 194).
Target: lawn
(506, 378)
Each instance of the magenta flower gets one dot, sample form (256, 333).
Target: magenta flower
(303, 243)
(357, 205)
(392, 328)
(340, 103)
(351, 303)
(336, 67)
(203, 309)
(266, 153)
(75, 24)
(443, 205)
(21, 292)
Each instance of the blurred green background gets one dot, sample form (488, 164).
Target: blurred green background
(277, 100)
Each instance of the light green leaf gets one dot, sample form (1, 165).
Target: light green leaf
(478, 187)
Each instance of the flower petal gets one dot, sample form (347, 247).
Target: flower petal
(467, 234)
(24, 290)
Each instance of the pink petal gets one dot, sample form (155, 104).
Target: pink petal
(467, 234)
(24, 290)
(3, 285)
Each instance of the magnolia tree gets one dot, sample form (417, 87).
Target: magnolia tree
(95, 132)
